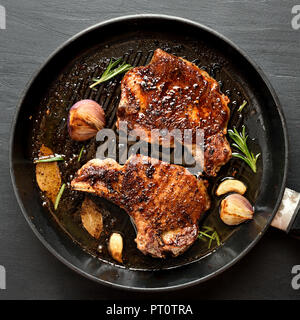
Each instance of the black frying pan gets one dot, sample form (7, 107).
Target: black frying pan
(135, 38)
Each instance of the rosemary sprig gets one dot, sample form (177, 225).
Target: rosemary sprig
(111, 71)
(240, 140)
(61, 191)
(211, 234)
(242, 106)
(51, 158)
(80, 154)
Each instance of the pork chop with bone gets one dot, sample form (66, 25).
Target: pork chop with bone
(165, 201)
(173, 93)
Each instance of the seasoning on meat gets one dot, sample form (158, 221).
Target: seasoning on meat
(173, 93)
(164, 200)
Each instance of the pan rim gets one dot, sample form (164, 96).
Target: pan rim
(199, 26)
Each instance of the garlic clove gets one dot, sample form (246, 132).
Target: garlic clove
(115, 246)
(86, 118)
(235, 209)
(91, 218)
(48, 176)
(231, 185)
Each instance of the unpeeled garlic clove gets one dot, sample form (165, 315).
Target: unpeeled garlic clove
(86, 118)
(235, 209)
(231, 185)
(91, 218)
(115, 246)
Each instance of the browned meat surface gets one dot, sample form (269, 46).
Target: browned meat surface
(173, 93)
(164, 200)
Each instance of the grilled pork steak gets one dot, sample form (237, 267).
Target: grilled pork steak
(173, 93)
(164, 200)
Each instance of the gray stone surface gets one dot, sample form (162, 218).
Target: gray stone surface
(34, 28)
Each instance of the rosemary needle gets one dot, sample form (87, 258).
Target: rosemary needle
(80, 154)
(111, 71)
(61, 191)
(242, 106)
(217, 238)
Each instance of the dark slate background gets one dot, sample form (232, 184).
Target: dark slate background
(36, 27)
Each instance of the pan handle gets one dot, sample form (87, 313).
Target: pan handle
(287, 217)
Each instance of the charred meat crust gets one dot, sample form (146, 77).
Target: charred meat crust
(172, 93)
(164, 200)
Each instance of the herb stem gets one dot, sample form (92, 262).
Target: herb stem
(206, 235)
(240, 140)
(51, 158)
(110, 72)
(211, 234)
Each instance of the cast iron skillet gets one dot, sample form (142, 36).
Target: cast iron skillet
(135, 38)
